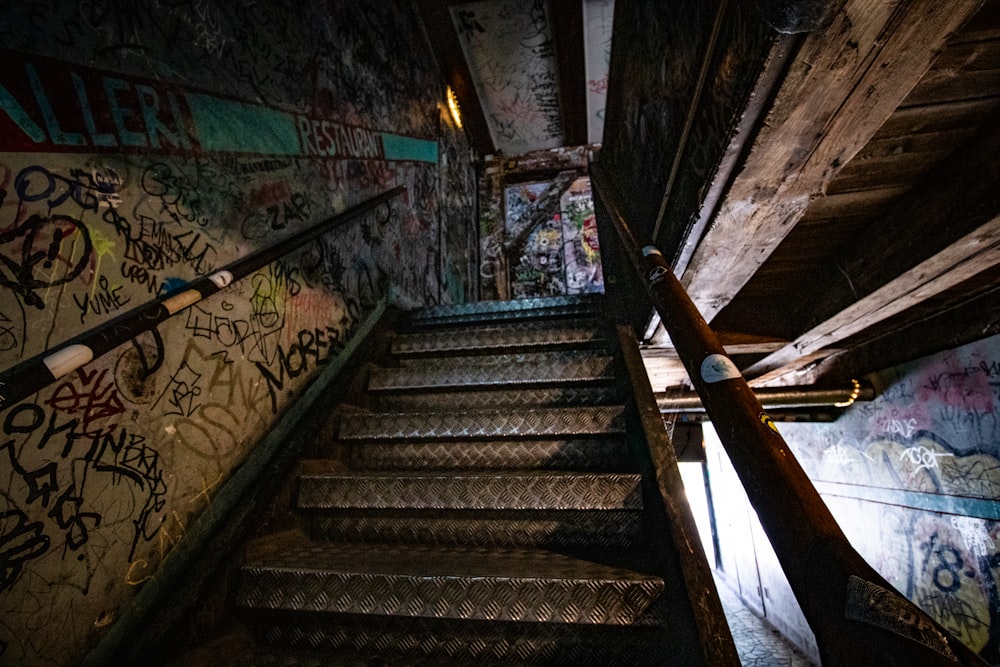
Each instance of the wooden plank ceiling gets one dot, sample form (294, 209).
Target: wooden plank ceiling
(822, 174)
(904, 229)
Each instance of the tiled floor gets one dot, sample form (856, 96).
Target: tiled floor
(758, 644)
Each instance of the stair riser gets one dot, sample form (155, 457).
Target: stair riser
(548, 530)
(504, 311)
(519, 337)
(606, 454)
(502, 491)
(501, 359)
(560, 372)
(528, 599)
(552, 315)
(451, 401)
(525, 423)
(468, 643)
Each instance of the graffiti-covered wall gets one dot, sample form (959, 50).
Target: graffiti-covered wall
(913, 478)
(143, 145)
(538, 232)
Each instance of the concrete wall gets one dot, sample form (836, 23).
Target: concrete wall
(143, 145)
(913, 479)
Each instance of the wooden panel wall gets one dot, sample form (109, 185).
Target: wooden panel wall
(681, 78)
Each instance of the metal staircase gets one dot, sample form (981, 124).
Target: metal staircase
(486, 506)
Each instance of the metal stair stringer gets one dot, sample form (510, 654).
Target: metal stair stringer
(505, 520)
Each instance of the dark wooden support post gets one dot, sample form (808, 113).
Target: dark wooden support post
(857, 616)
(568, 19)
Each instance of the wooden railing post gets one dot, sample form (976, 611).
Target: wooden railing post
(857, 616)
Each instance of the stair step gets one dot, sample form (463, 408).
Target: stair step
(471, 374)
(510, 337)
(500, 311)
(534, 489)
(557, 530)
(522, 423)
(501, 358)
(603, 453)
(447, 582)
(489, 512)
(457, 643)
(450, 401)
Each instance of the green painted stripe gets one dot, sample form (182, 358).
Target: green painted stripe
(398, 147)
(233, 127)
(980, 508)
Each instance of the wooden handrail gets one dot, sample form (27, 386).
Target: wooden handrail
(707, 639)
(31, 375)
(857, 616)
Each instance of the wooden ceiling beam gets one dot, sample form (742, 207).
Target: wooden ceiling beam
(944, 232)
(962, 260)
(735, 343)
(845, 81)
(965, 322)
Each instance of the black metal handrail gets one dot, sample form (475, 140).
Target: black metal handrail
(31, 375)
(857, 616)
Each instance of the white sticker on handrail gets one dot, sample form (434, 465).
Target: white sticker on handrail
(657, 274)
(68, 359)
(718, 367)
(221, 278)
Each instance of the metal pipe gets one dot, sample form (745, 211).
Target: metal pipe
(673, 402)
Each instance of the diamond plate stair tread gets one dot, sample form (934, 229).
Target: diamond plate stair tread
(506, 490)
(609, 454)
(450, 401)
(501, 338)
(447, 582)
(458, 643)
(589, 369)
(505, 310)
(527, 423)
(552, 530)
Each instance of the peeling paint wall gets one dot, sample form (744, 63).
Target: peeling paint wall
(913, 479)
(143, 145)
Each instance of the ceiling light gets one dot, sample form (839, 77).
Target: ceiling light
(453, 108)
